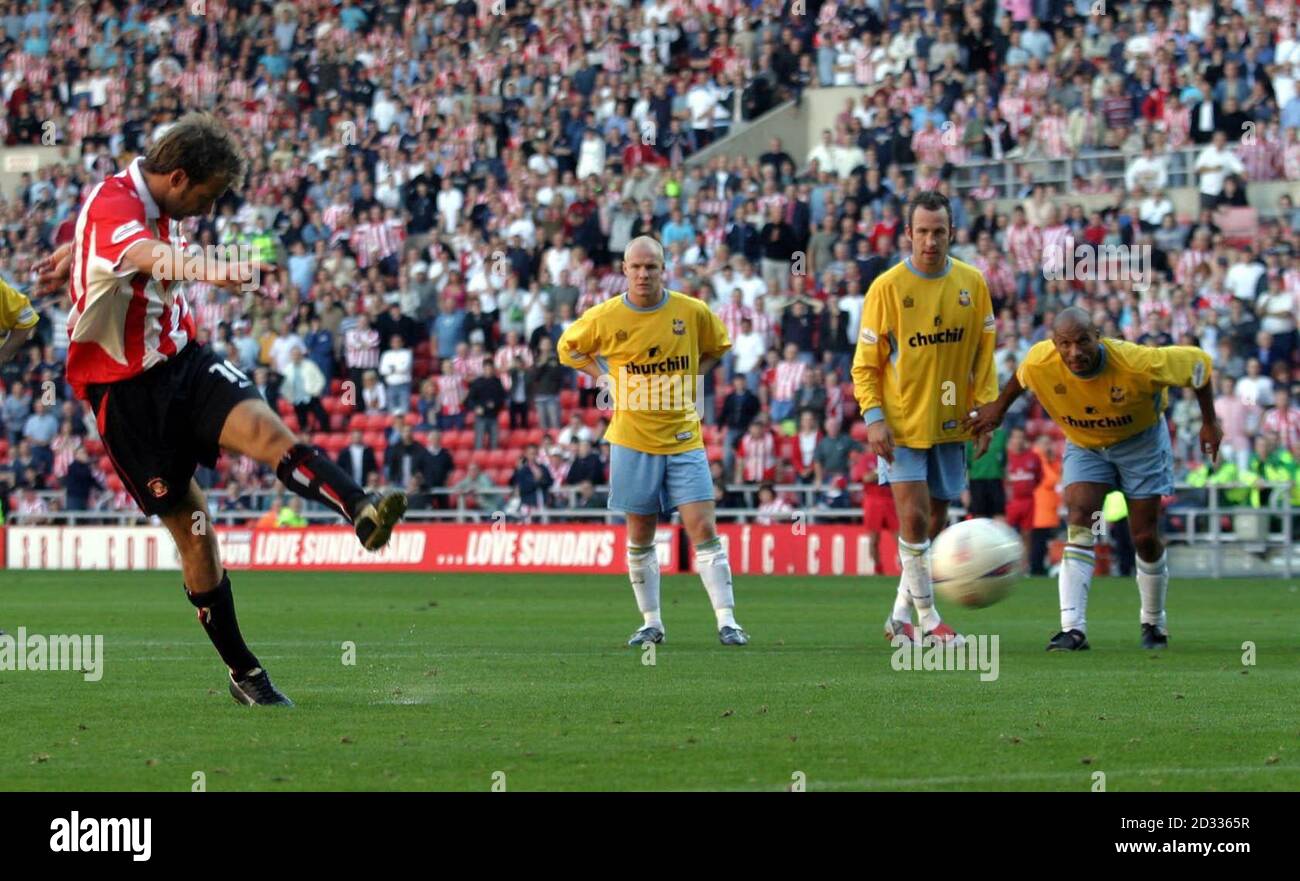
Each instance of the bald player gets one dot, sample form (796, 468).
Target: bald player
(1108, 396)
(652, 345)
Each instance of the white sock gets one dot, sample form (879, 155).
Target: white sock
(902, 598)
(643, 570)
(916, 575)
(1077, 564)
(1153, 584)
(715, 572)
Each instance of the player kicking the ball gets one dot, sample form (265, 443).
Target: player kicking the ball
(1108, 396)
(163, 402)
(652, 344)
(924, 359)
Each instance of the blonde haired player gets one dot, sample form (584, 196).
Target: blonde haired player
(1108, 396)
(652, 344)
(18, 321)
(924, 359)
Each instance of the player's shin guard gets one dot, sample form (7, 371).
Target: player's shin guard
(217, 615)
(915, 560)
(715, 572)
(1153, 584)
(1077, 565)
(310, 473)
(643, 570)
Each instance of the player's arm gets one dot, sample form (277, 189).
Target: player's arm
(18, 321)
(1188, 366)
(167, 262)
(714, 341)
(579, 347)
(985, 378)
(869, 359)
(14, 342)
(985, 418)
(54, 271)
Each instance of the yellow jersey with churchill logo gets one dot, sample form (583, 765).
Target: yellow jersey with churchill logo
(16, 312)
(1123, 397)
(651, 357)
(925, 352)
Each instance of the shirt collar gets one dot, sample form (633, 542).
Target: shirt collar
(151, 211)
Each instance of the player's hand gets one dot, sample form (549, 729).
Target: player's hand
(881, 440)
(982, 420)
(53, 271)
(982, 443)
(1211, 437)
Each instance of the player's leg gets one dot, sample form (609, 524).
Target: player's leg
(906, 478)
(1146, 472)
(207, 585)
(253, 429)
(1152, 569)
(635, 479)
(1083, 500)
(945, 481)
(689, 488)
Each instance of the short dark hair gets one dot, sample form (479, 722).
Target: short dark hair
(931, 200)
(203, 147)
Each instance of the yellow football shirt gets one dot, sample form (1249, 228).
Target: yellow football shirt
(652, 358)
(925, 352)
(1123, 398)
(16, 312)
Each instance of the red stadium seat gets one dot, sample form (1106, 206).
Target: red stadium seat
(501, 476)
(374, 440)
(503, 458)
(336, 386)
(358, 422)
(460, 458)
(859, 432)
(379, 421)
(422, 349)
(321, 439)
(568, 398)
(339, 422)
(113, 482)
(591, 416)
(534, 436)
(481, 458)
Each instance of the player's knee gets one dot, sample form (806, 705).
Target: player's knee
(1147, 543)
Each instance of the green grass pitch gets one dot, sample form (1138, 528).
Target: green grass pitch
(458, 677)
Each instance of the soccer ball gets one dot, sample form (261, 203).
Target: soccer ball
(975, 562)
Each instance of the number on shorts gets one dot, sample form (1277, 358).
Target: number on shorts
(231, 373)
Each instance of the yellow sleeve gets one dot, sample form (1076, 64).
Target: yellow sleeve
(16, 312)
(580, 343)
(985, 383)
(714, 341)
(1178, 366)
(872, 355)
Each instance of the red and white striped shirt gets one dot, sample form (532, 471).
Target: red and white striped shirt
(1178, 125)
(451, 394)
(789, 376)
(1286, 425)
(467, 368)
(732, 314)
(1185, 268)
(778, 507)
(1055, 245)
(1052, 133)
(1262, 158)
(64, 448)
(758, 457)
(119, 327)
(337, 215)
(1291, 161)
(504, 360)
(361, 348)
(928, 146)
(1025, 245)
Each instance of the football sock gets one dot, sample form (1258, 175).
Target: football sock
(916, 575)
(217, 615)
(903, 597)
(1077, 564)
(310, 473)
(643, 570)
(1153, 584)
(715, 572)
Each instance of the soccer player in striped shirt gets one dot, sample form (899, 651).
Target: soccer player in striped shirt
(166, 403)
(654, 344)
(924, 359)
(1108, 396)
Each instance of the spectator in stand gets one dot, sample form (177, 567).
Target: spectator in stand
(1213, 165)
(771, 507)
(831, 462)
(303, 384)
(1047, 505)
(803, 448)
(407, 459)
(438, 466)
(786, 379)
(79, 482)
(39, 430)
(518, 395)
(451, 398)
(361, 346)
(547, 378)
(474, 490)
(396, 366)
(1282, 421)
(374, 396)
(357, 459)
(486, 400)
(531, 479)
(757, 454)
(585, 466)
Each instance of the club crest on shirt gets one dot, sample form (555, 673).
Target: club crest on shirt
(1116, 395)
(963, 297)
(1059, 388)
(654, 350)
(938, 320)
(158, 487)
(908, 302)
(621, 336)
(679, 326)
(1091, 411)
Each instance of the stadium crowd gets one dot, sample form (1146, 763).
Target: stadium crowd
(442, 187)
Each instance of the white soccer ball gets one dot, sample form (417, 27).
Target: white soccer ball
(975, 562)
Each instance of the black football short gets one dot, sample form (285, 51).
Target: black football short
(987, 498)
(157, 427)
